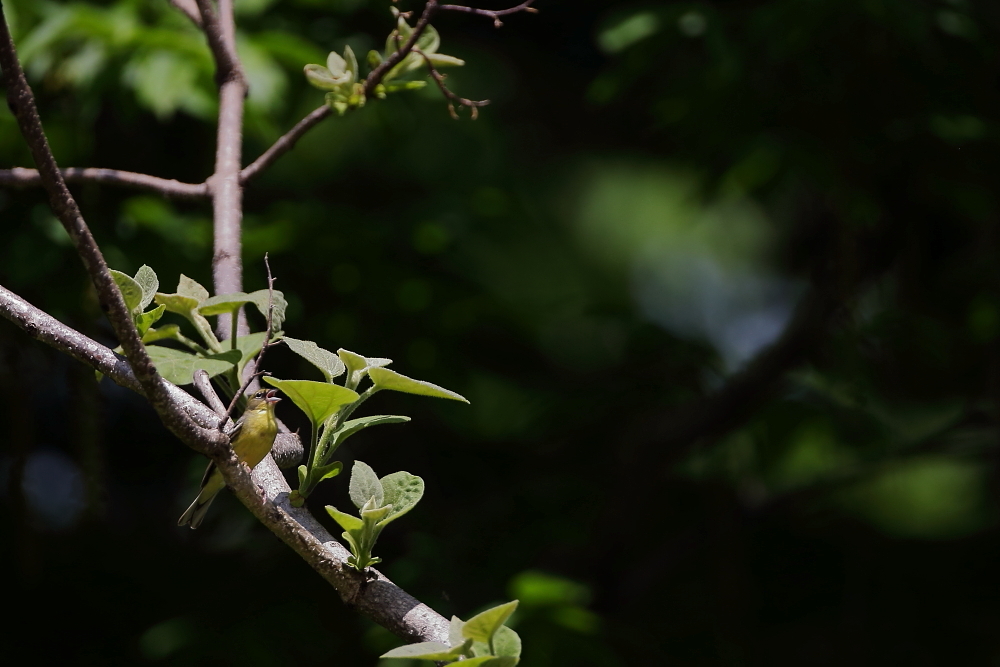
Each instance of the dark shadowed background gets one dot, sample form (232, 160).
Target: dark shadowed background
(658, 191)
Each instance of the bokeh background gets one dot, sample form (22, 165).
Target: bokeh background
(720, 280)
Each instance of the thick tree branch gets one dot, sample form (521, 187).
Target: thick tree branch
(19, 177)
(227, 193)
(22, 103)
(378, 598)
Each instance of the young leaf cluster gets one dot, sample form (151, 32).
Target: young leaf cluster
(379, 501)
(329, 405)
(482, 641)
(224, 362)
(346, 88)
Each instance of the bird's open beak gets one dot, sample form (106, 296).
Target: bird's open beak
(272, 396)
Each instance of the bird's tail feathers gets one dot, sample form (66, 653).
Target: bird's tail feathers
(194, 514)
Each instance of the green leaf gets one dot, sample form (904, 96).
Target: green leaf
(426, 651)
(336, 64)
(483, 626)
(166, 332)
(396, 86)
(147, 280)
(441, 60)
(318, 400)
(322, 78)
(429, 40)
(401, 490)
(351, 63)
(260, 299)
(223, 303)
(374, 515)
(358, 366)
(191, 288)
(351, 427)
(303, 472)
(250, 345)
(130, 289)
(488, 661)
(455, 636)
(507, 643)
(374, 59)
(346, 521)
(386, 379)
(179, 367)
(329, 471)
(328, 362)
(145, 320)
(365, 485)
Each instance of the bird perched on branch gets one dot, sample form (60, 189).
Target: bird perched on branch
(251, 439)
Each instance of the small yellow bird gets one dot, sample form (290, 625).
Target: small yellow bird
(251, 438)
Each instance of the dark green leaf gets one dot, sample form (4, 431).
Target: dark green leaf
(145, 320)
(387, 379)
(353, 426)
(260, 299)
(319, 400)
(329, 471)
(303, 471)
(365, 485)
(328, 362)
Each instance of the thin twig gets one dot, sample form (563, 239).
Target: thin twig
(263, 348)
(204, 385)
(20, 177)
(452, 97)
(494, 14)
(189, 9)
(284, 144)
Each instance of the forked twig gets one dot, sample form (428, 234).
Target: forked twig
(453, 99)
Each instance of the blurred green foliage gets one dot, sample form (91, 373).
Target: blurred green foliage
(654, 189)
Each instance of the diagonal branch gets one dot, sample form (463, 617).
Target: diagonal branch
(285, 143)
(19, 177)
(494, 14)
(22, 103)
(377, 598)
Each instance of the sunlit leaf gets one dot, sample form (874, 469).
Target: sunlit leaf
(425, 651)
(346, 521)
(143, 321)
(179, 367)
(506, 642)
(387, 379)
(365, 485)
(318, 400)
(328, 362)
(130, 289)
(483, 626)
(353, 426)
(401, 490)
(147, 280)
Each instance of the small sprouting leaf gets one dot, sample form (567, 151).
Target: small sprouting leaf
(223, 303)
(507, 643)
(260, 299)
(351, 63)
(483, 626)
(336, 64)
(374, 59)
(426, 651)
(145, 320)
(374, 515)
(328, 362)
(191, 288)
(329, 471)
(387, 379)
(166, 332)
(358, 366)
(147, 280)
(303, 472)
(322, 78)
(365, 485)
(429, 40)
(401, 490)
(396, 86)
(318, 400)
(441, 60)
(179, 367)
(347, 521)
(131, 290)
(353, 426)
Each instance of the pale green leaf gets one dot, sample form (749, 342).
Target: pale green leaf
(425, 651)
(347, 521)
(302, 472)
(318, 400)
(387, 379)
(483, 626)
(365, 485)
(401, 490)
(358, 366)
(328, 362)
(179, 367)
(191, 288)
(507, 643)
(166, 332)
(223, 303)
(260, 299)
(130, 289)
(455, 636)
(147, 280)
(441, 60)
(429, 40)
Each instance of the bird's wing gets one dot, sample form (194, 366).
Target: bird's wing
(232, 438)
